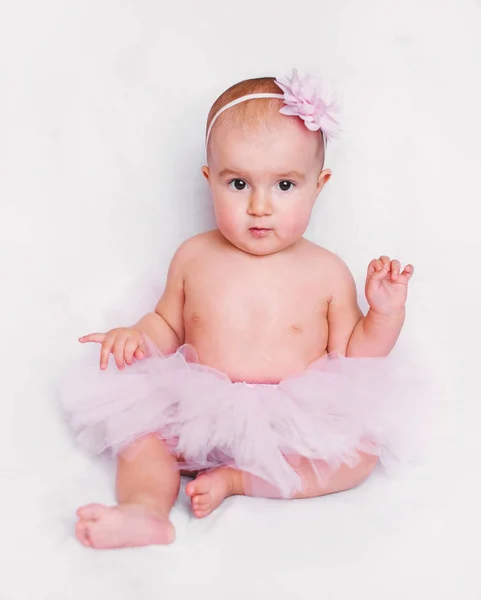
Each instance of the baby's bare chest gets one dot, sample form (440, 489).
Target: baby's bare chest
(260, 299)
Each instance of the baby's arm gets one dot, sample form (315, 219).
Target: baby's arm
(165, 325)
(386, 292)
(350, 332)
(343, 313)
(375, 334)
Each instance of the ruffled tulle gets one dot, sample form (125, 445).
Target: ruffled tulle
(337, 408)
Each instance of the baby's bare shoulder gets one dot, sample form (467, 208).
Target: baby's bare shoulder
(328, 261)
(193, 247)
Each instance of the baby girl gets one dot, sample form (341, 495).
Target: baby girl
(257, 371)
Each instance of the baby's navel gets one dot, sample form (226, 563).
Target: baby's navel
(296, 328)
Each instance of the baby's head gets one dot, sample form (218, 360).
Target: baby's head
(265, 169)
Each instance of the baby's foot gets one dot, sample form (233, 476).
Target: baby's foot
(122, 526)
(209, 490)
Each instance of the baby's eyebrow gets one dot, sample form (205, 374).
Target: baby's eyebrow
(292, 175)
(286, 175)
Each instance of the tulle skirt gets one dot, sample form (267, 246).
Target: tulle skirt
(336, 409)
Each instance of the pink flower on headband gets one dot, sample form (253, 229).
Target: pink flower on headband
(305, 97)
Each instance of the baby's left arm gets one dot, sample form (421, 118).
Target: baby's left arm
(386, 292)
(375, 334)
(343, 313)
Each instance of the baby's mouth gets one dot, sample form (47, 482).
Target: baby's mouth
(260, 231)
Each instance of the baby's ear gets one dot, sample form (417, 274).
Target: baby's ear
(323, 178)
(206, 172)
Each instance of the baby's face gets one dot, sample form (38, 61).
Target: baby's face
(264, 183)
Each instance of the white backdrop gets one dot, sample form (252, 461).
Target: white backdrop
(102, 113)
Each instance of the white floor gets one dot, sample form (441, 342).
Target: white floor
(102, 109)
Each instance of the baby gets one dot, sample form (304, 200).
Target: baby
(252, 372)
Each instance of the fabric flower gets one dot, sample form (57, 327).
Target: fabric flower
(305, 97)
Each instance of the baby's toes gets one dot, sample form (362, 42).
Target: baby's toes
(82, 533)
(199, 486)
(201, 504)
(196, 487)
(92, 512)
(200, 500)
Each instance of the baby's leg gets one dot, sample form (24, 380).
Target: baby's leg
(209, 490)
(340, 480)
(148, 482)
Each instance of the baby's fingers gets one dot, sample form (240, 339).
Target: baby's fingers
(407, 273)
(374, 266)
(98, 338)
(131, 347)
(118, 351)
(377, 269)
(139, 353)
(395, 268)
(105, 351)
(386, 261)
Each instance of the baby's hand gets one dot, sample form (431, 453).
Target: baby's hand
(386, 285)
(124, 343)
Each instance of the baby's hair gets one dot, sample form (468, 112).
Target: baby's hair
(252, 113)
(247, 112)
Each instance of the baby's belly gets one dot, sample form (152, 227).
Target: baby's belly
(255, 358)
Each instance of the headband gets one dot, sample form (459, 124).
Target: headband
(304, 97)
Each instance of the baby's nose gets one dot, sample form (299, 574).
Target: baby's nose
(260, 203)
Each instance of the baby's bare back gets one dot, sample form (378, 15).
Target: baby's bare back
(257, 318)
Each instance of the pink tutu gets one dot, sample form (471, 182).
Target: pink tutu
(338, 407)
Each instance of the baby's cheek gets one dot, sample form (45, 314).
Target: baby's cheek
(295, 223)
(226, 217)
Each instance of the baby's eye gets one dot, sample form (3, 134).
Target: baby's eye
(285, 185)
(239, 184)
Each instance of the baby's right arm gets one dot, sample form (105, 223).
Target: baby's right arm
(164, 326)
